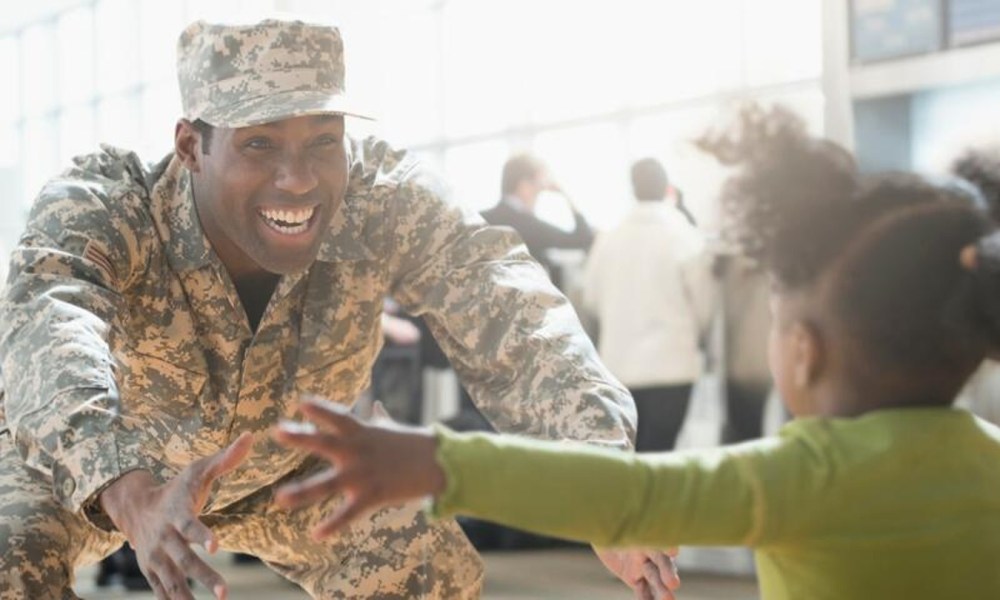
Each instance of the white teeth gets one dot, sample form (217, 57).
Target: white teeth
(288, 221)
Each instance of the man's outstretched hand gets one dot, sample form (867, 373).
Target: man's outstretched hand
(651, 574)
(372, 465)
(161, 521)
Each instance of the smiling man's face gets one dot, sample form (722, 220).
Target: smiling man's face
(266, 193)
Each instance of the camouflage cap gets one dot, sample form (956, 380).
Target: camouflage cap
(241, 75)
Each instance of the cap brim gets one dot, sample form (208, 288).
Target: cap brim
(282, 105)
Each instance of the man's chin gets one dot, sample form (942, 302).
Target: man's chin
(288, 267)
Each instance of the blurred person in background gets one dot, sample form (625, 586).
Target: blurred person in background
(676, 195)
(744, 292)
(648, 285)
(524, 179)
(161, 319)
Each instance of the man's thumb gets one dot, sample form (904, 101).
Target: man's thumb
(230, 457)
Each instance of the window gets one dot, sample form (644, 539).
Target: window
(39, 142)
(776, 52)
(10, 103)
(118, 121)
(160, 24)
(77, 133)
(75, 32)
(39, 70)
(117, 35)
(474, 172)
(588, 86)
(589, 164)
(159, 107)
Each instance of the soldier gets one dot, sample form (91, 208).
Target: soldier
(161, 319)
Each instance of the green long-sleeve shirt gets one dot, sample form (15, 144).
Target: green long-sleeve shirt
(894, 504)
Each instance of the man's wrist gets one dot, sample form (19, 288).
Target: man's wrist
(124, 492)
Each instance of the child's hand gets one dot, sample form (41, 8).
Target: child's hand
(373, 465)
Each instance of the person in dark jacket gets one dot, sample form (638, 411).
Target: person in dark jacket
(524, 178)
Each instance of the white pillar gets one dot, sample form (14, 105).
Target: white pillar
(838, 113)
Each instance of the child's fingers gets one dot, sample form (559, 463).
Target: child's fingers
(351, 510)
(329, 416)
(309, 491)
(292, 435)
(379, 410)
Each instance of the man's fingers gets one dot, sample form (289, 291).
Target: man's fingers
(351, 510)
(158, 590)
(195, 532)
(652, 579)
(667, 569)
(642, 591)
(311, 490)
(191, 565)
(229, 458)
(166, 578)
(329, 416)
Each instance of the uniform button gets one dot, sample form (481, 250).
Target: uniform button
(68, 486)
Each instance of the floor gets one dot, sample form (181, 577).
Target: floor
(524, 575)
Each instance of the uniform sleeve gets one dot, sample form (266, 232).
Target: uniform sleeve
(709, 496)
(63, 303)
(512, 337)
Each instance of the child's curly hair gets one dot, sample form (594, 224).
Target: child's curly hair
(883, 248)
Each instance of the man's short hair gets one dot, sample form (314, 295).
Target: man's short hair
(649, 180)
(518, 168)
(205, 130)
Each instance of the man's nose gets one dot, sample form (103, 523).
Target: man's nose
(296, 176)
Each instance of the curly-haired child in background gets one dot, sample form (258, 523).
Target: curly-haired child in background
(878, 489)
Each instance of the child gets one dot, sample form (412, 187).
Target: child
(878, 489)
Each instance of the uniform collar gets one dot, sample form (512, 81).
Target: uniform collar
(350, 229)
(176, 220)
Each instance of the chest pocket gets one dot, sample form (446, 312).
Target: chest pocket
(340, 380)
(340, 333)
(155, 389)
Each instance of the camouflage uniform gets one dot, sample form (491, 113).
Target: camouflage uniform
(124, 346)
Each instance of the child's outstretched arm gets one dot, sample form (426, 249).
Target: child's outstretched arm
(567, 489)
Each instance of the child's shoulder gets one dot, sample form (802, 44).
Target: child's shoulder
(899, 431)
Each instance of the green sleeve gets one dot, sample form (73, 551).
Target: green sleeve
(607, 498)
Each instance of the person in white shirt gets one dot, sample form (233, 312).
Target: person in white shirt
(648, 284)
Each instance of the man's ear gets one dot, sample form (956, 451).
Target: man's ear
(808, 354)
(187, 145)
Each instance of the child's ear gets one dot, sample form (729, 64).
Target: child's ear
(807, 354)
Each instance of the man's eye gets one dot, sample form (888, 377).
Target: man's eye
(327, 140)
(259, 144)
